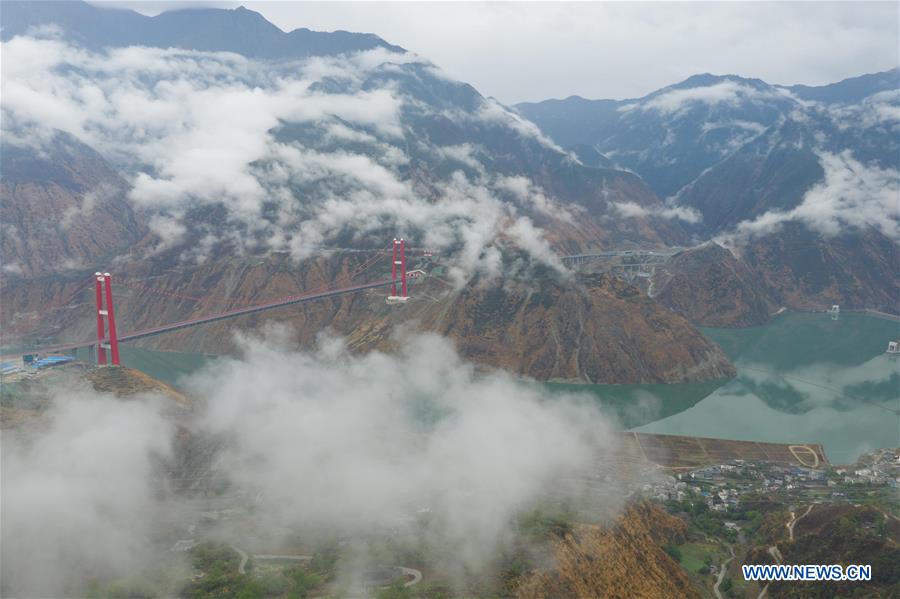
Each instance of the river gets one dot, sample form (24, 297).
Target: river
(802, 378)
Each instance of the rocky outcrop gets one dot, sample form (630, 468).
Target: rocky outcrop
(793, 268)
(801, 270)
(589, 329)
(622, 560)
(710, 287)
(127, 382)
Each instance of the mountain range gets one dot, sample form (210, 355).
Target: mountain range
(800, 182)
(207, 29)
(673, 136)
(211, 154)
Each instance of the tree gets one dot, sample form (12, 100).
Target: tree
(726, 586)
(673, 551)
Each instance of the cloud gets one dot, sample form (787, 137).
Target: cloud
(319, 440)
(102, 193)
(293, 153)
(528, 194)
(79, 497)
(732, 93)
(358, 442)
(198, 120)
(876, 111)
(852, 195)
(493, 111)
(669, 211)
(12, 268)
(465, 154)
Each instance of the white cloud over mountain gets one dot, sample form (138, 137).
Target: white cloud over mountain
(195, 130)
(725, 92)
(852, 195)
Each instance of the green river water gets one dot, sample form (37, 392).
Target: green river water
(802, 378)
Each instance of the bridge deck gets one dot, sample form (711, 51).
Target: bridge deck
(175, 326)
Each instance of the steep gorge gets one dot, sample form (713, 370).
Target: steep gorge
(587, 329)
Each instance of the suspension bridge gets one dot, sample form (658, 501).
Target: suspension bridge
(106, 344)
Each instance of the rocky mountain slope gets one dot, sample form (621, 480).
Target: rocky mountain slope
(767, 170)
(587, 329)
(802, 271)
(673, 135)
(843, 534)
(595, 329)
(345, 150)
(714, 286)
(711, 287)
(622, 559)
(62, 207)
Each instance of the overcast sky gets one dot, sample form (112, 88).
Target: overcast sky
(533, 51)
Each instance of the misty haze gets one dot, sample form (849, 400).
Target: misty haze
(438, 300)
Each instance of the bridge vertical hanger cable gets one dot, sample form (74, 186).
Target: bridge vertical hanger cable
(379, 255)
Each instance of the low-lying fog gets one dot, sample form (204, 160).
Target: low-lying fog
(319, 440)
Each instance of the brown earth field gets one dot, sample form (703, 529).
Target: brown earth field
(688, 453)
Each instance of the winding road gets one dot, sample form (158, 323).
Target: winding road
(793, 521)
(722, 570)
(774, 551)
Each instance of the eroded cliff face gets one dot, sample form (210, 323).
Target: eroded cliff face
(589, 329)
(794, 269)
(803, 271)
(711, 287)
(622, 560)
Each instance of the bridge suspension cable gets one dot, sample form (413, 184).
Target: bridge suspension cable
(107, 337)
(207, 299)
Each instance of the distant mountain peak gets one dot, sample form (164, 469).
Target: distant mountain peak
(238, 30)
(709, 79)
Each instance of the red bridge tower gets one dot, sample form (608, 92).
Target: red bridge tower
(103, 289)
(399, 259)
